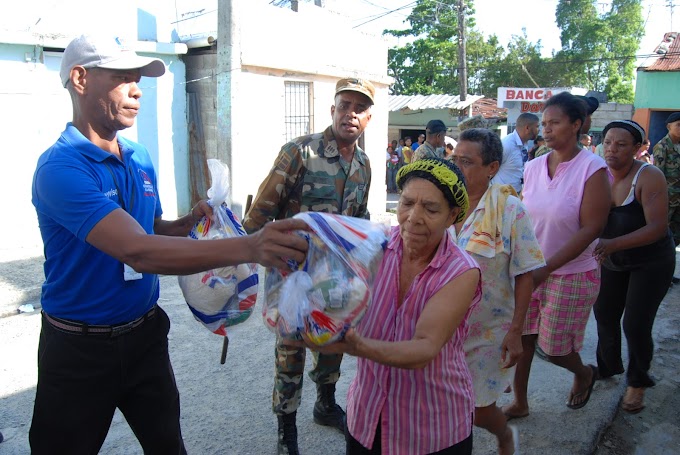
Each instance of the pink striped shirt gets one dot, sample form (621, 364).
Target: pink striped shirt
(425, 410)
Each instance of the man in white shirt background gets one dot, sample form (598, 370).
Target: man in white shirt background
(515, 151)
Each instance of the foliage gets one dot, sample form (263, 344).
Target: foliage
(597, 51)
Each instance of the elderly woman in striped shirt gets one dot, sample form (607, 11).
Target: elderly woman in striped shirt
(413, 392)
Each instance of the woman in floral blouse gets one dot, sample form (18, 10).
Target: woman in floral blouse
(499, 235)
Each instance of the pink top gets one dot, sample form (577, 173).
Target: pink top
(420, 411)
(554, 205)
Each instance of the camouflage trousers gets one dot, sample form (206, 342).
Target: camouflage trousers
(674, 216)
(289, 372)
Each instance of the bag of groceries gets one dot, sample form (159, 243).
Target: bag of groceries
(222, 297)
(331, 290)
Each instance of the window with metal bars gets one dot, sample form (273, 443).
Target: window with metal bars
(299, 109)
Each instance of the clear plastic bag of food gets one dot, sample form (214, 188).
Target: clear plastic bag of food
(221, 297)
(331, 290)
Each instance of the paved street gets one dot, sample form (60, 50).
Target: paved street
(227, 408)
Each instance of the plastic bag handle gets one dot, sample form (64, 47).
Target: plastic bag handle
(225, 342)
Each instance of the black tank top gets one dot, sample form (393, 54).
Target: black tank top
(628, 218)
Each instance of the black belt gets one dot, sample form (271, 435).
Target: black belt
(112, 331)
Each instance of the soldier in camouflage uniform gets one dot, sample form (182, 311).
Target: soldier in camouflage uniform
(433, 147)
(322, 172)
(667, 158)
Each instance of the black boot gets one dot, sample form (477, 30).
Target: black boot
(288, 444)
(326, 411)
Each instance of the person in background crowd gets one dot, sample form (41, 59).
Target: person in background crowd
(322, 172)
(392, 168)
(412, 335)
(401, 145)
(498, 234)
(637, 254)
(407, 151)
(585, 140)
(397, 148)
(449, 150)
(567, 196)
(421, 139)
(539, 144)
(667, 158)
(103, 341)
(515, 153)
(591, 104)
(433, 147)
(643, 153)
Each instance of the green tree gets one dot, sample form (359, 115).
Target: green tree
(598, 49)
(429, 64)
(521, 65)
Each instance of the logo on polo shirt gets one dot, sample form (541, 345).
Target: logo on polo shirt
(111, 193)
(147, 184)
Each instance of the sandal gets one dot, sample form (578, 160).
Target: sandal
(586, 392)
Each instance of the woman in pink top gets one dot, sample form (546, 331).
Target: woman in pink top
(413, 392)
(567, 195)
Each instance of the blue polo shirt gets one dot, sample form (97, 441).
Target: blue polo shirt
(75, 185)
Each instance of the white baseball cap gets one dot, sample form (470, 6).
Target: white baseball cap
(106, 52)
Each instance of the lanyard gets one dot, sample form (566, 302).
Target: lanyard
(120, 195)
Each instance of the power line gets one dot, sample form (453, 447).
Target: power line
(386, 13)
(447, 71)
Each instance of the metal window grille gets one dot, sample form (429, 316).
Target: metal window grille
(299, 112)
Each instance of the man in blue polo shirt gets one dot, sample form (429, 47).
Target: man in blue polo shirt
(103, 343)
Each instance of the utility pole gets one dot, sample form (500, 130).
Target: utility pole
(462, 58)
(670, 6)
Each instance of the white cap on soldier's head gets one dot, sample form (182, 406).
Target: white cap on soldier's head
(106, 52)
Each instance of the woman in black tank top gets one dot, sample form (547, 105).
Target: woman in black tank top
(637, 254)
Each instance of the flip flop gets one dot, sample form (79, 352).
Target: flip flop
(588, 391)
(510, 417)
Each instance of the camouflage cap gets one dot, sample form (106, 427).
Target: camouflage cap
(356, 85)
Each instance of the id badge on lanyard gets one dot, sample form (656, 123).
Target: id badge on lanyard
(129, 274)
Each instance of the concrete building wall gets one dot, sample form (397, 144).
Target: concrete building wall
(200, 75)
(608, 112)
(37, 109)
(418, 119)
(312, 47)
(657, 90)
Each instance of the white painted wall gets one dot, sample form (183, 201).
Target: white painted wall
(36, 107)
(313, 46)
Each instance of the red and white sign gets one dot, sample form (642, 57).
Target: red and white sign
(533, 108)
(529, 95)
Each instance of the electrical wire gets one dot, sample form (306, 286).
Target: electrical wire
(386, 13)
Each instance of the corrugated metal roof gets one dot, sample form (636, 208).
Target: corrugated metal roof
(416, 102)
(669, 55)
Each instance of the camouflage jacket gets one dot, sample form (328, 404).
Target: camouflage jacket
(667, 158)
(542, 150)
(427, 151)
(309, 176)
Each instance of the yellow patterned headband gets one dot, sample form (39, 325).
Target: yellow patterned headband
(441, 173)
